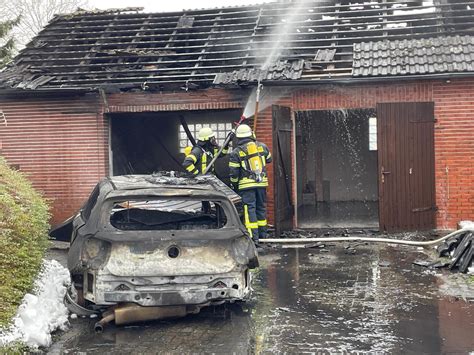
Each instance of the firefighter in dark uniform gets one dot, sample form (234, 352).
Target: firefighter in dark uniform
(202, 153)
(248, 176)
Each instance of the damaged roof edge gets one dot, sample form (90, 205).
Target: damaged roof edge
(349, 80)
(26, 92)
(299, 82)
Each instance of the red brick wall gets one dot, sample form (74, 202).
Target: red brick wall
(265, 134)
(454, 151)
(330, 97)
(61, 143)
(211, 99)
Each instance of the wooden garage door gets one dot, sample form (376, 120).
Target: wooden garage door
(406, 166)
(282, 129)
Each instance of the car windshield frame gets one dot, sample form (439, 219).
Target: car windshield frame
(232, 220)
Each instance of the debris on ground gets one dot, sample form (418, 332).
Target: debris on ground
(431, 264)
(350, 251)
(460, 249)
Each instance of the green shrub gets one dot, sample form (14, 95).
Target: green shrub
(24, 217)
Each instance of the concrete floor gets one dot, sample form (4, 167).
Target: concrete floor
(308, 301)
(342, 214)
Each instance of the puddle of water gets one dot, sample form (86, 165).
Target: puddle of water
(308, 301)
(337, 302)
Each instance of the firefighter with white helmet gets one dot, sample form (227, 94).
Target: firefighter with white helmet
(248, 176)
(202, 153)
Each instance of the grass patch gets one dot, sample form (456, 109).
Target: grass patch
(24, 217)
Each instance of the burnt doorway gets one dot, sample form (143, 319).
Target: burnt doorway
(143, 143)
(283, 205)
(336, 164)
(406, 166)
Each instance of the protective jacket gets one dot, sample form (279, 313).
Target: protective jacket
(243, 160)
(201, 155)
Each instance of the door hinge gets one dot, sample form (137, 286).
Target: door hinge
(425, 209)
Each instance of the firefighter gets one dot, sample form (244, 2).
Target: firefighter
(248, 176)
(202, 153)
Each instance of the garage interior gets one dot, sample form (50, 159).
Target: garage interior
(143, 143)
(336, 169)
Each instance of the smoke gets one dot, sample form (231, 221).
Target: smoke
(268, 96)
(281, 35)
(284, 31)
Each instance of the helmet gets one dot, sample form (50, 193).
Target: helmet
(205, 134)
(243, 131)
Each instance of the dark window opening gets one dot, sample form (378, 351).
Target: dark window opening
(163, 214)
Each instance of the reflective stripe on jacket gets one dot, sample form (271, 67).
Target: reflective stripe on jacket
(196, 162)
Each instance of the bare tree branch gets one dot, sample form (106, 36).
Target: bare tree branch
(35, 14)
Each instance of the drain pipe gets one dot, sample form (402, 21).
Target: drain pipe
(367, 239)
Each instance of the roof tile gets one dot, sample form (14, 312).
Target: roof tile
(445, 54)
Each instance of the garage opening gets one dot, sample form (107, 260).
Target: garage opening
(336, 166)
(143, 143)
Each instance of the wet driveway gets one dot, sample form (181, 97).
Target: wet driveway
(310, 300)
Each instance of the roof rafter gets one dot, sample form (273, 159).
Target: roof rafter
(109, 48)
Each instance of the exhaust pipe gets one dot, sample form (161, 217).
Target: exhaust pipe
(131, 313)
(107, 317)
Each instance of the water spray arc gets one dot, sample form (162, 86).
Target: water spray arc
(283, 34)
(257, 105)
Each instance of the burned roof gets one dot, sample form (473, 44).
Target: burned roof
(281, 70)
(447, 54)
(131, 50)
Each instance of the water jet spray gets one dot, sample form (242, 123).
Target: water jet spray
(257, 104)
(231, 134)
(283, 34)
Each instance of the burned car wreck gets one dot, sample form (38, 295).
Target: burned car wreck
(148, 247)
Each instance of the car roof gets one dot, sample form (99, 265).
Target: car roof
(170, 184)
(133, 182)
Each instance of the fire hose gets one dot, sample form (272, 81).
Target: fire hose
(368, 239)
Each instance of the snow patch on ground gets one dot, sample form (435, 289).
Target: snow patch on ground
(466, 224)
(42, 312)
